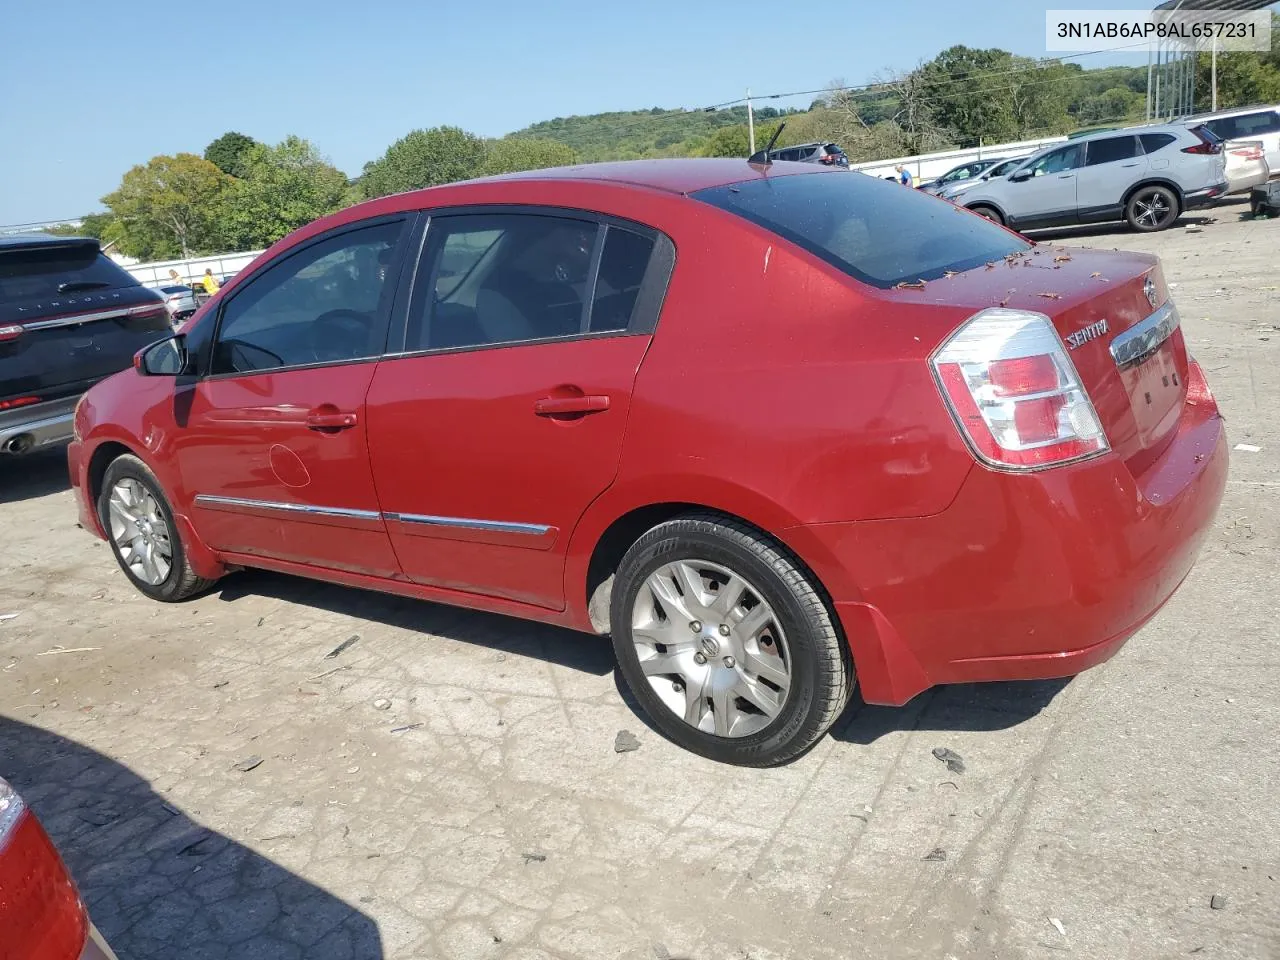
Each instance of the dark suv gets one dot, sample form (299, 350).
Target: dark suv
(829, 154)
(68, 318)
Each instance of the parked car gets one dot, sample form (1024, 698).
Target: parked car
(1246, 123)
(1247, 165)
(68, 318)
(1147, 176)
(965, 171)
(41, 913)
(551, 404)
(828, 154)
(179, 299)
(1002, 169)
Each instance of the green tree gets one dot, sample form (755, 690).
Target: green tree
(1118, 103)
(424, 158)
(168, 206)
(511, 154)
(1244, 77)
(229, 151)
(284, 187)
(728, 142)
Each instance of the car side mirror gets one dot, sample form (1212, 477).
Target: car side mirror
(165, 358)
(1020, 175)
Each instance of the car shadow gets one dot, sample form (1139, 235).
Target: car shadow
(973, 707)
(1109, 229)
(565, 648)
(160, 884)
(33, 475)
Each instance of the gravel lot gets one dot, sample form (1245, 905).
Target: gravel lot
(484, 813)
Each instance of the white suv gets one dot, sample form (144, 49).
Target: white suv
(1146, 175)
(1246, 123)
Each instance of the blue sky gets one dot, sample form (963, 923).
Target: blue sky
(92, 88)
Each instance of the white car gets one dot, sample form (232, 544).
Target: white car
(1147, 176)
(1246, 123)
(1247, 165)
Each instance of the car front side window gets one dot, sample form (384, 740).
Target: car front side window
(1059, 161)
(324, 304)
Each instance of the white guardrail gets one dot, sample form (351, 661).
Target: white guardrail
(927, 166)
(190, 270)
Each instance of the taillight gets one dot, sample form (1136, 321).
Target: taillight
(11, 331)
(1015, 393)
(1206, 145)
(41, 914)
(18, 402)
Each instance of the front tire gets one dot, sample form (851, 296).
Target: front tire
(726, 642)
(140, 528)
(991, 213)
(1152, 208)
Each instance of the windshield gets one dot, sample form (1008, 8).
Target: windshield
(1006, 168)
(875, 231)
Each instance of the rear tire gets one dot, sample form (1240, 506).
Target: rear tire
(140, 522)
(1152, 208)
(772, 662)
(991, 213)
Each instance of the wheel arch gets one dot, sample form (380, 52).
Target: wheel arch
(604, 536)
(972, 208)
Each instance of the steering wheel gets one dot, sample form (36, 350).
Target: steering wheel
(339, 335)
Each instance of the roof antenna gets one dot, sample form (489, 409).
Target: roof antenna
(762, 156)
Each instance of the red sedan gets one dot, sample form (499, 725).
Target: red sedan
(41, 914)
(765, 425)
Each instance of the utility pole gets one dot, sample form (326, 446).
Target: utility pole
(751, 123)
(1213, 77)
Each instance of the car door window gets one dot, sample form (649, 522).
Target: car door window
(324, 304)
(1111, 149)
(1059, 161)
(1253, 124)
(501, 278)
(1151, 142)
(624, 263)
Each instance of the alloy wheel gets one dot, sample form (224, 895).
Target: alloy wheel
(139, 532)
(711, 647)
(1152, 209)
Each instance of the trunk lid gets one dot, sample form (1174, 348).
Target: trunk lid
(1128, 350)
(68, 318)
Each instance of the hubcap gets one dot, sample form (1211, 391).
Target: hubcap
(139, 533)
(711, 647)
(1152, 209)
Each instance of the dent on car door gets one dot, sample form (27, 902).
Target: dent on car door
(273, 444)
(504, 416)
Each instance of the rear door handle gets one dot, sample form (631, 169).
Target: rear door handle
(556, 406)
(330, 420)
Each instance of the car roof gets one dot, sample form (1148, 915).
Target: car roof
(681, 176)
(17, 241)
(1233, 112)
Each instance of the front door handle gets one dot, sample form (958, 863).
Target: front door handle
(559, 406)
(330, 419)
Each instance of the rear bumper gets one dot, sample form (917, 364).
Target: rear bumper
(40, 425)
(1201, 197)
(1025, 576)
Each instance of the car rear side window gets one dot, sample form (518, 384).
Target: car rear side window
(1111, 149)
(324, 304)
(875, 232)
(48, 270)
(623, 264)
(1151, 142)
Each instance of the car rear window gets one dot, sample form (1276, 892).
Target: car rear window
(1151, 142)
(39, 271)
(880, 233)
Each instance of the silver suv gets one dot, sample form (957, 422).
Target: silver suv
(1147, 176)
